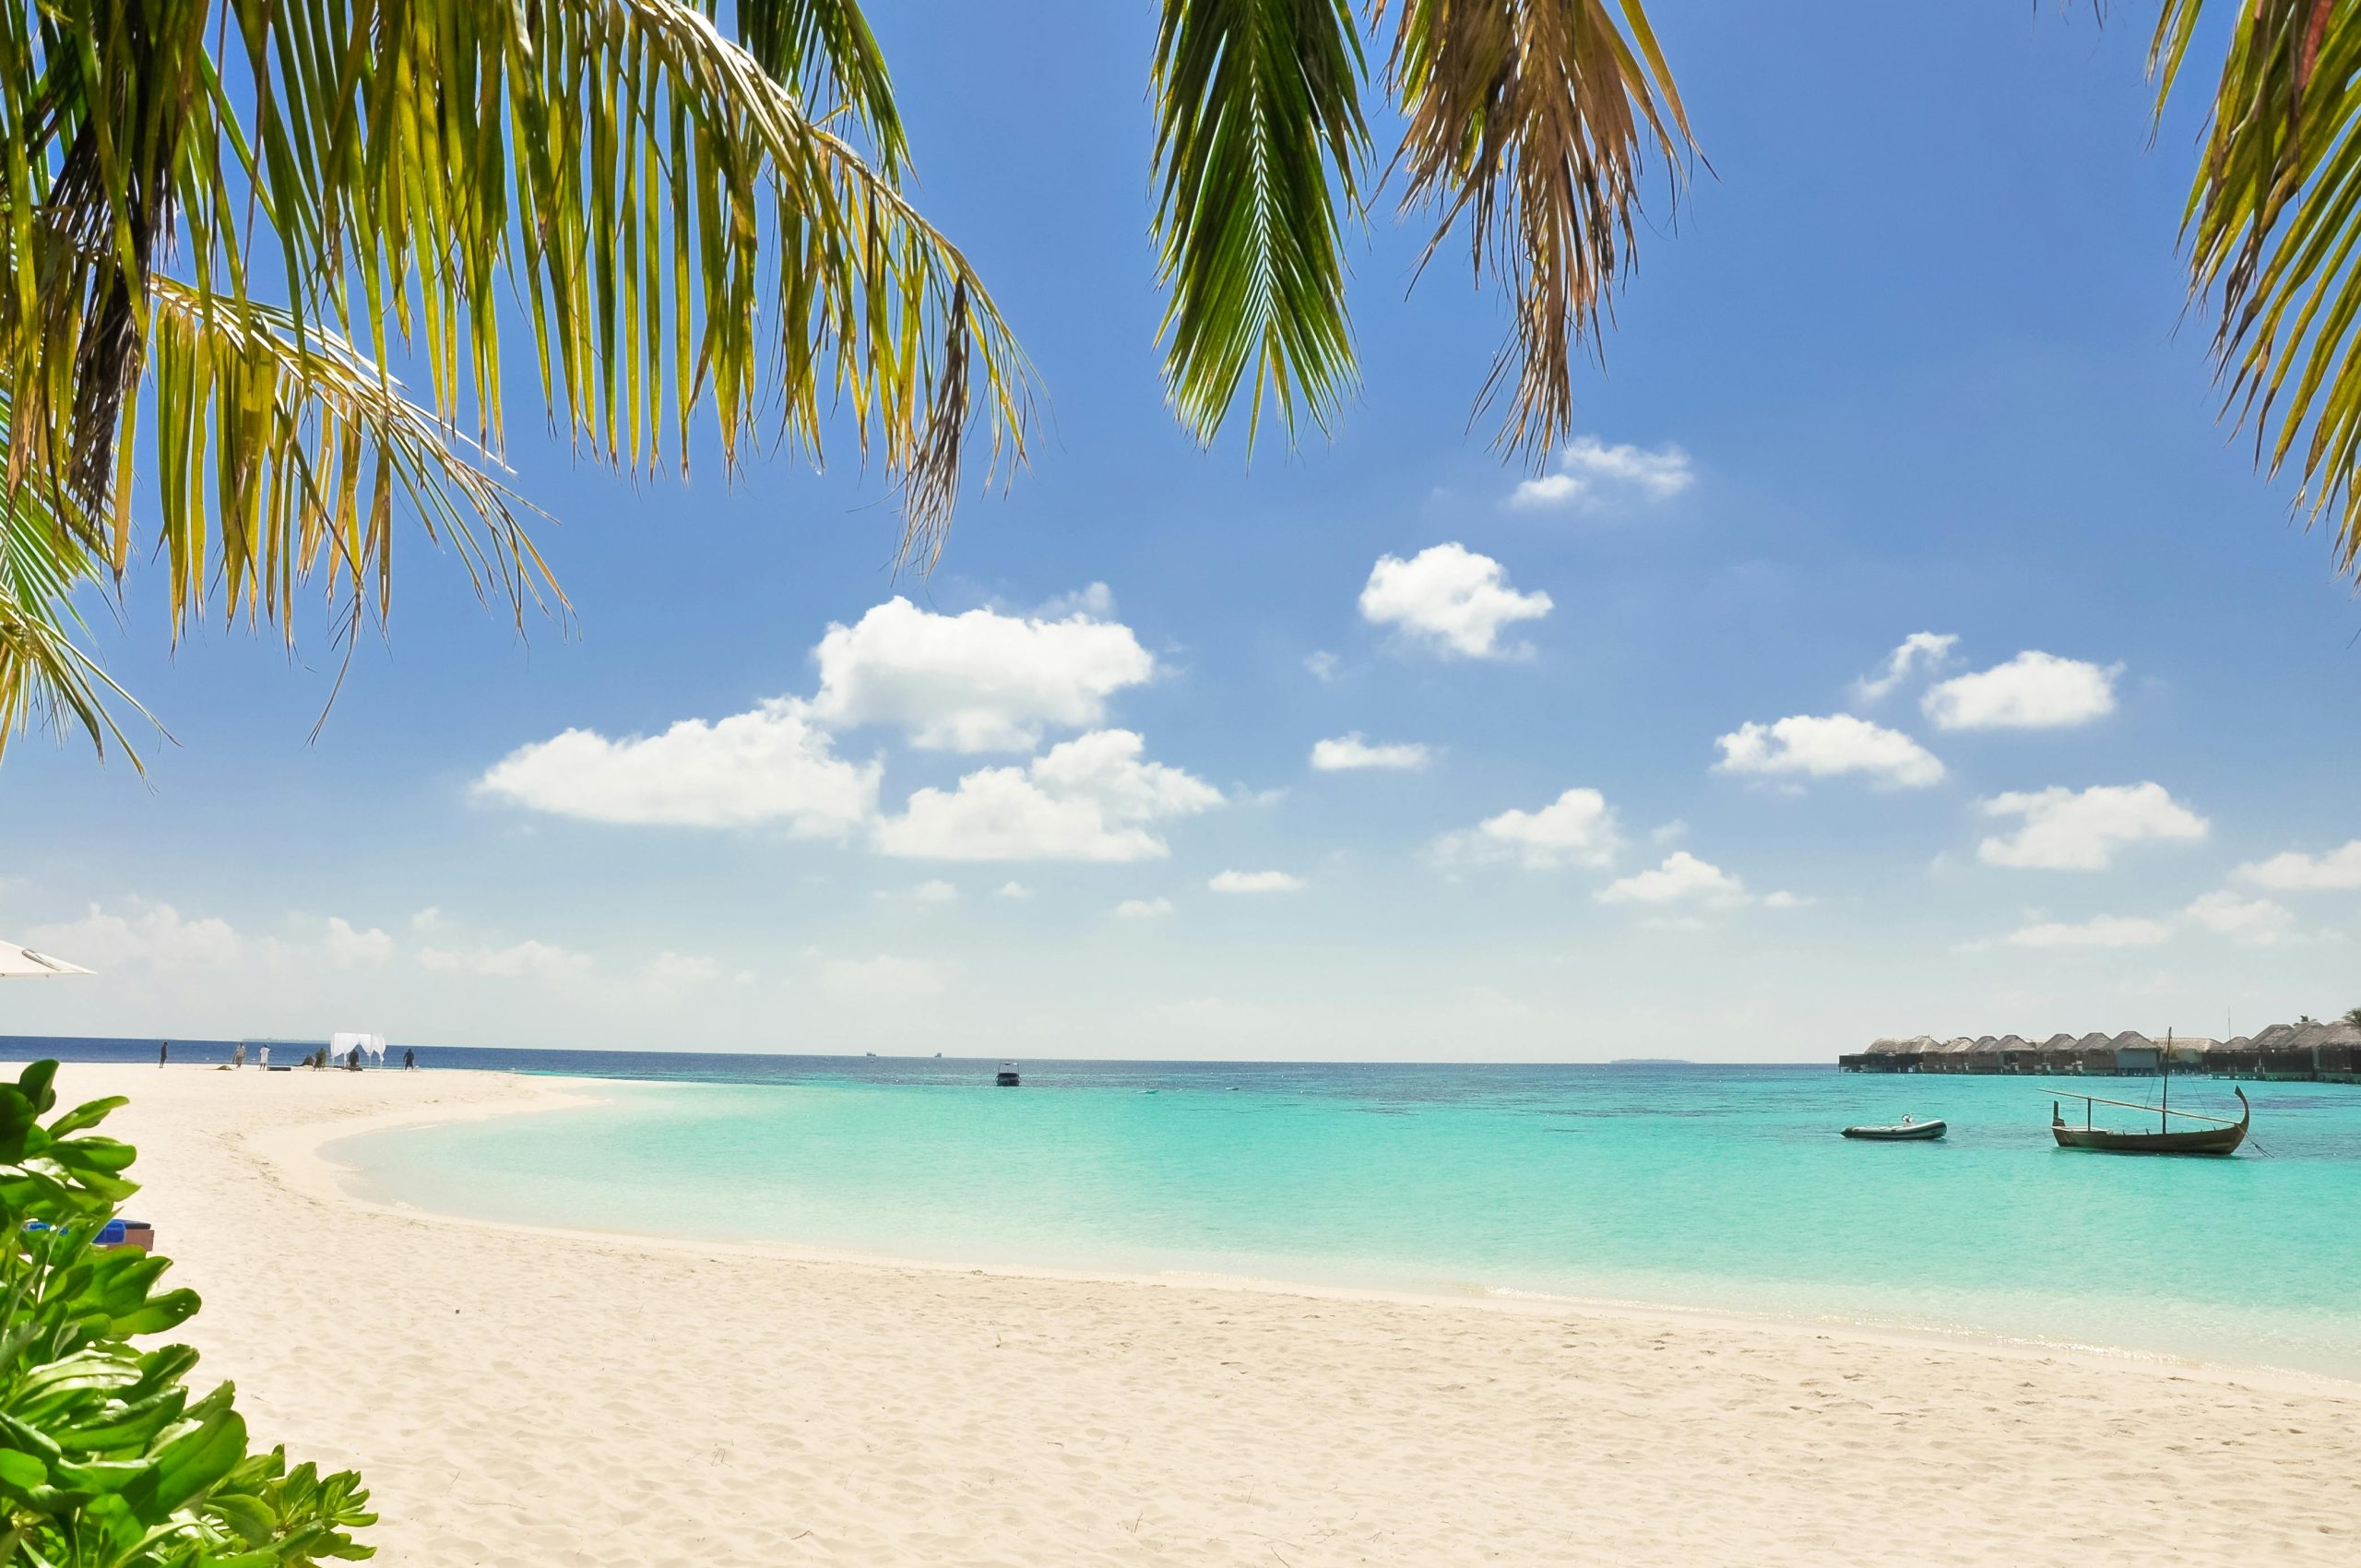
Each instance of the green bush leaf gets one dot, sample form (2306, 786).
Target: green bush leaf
(105, 1460)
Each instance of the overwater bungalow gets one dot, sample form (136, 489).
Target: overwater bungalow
(2232, 1058)
(2337, 1053)
(2292, 1052)
(1877, 1059)
(1887, 1053)
(2058, 1056)
(2283, 1052)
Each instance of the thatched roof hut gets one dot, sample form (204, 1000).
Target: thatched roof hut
(1887, 1053)
(2135, 1052)
(2232, 1058)
(2188, 1051)
(2019, 1055)
(2337, 1052)
(2058, 1054)
(2095, 1052)
(2284, 1051)
(1984, 1054)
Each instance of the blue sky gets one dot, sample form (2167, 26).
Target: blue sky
(1910, 360)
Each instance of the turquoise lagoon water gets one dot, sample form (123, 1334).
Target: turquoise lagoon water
(1724, 1188)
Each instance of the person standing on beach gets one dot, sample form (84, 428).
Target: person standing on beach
(410, 1059)
(163, 1048)
(238, 1055)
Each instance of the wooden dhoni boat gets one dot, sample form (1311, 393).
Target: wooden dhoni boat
(2220, 1136)
(1901, 1132)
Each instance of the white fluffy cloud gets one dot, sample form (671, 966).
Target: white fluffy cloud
(1089, 799)
(1346, 752)
(980, 681)
(2106, 931)
(1683, 878)
(1450, 599)
(152, 935)
(2033, 691)
(1014, 890)
(983, 680)
(1919, 651)
(529, 959)
(2249, 922)
(772, 766)
(1255, 882)
(1578, 828)
(885, 978)
(1590, 470)
(2335, 870)
(1824, 747)
(1144, 908)
(2082, 830)
(347, 948)
(670, 970)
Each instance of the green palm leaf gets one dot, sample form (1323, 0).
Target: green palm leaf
(1531, 120)
(824, 49)
(697, 229)
(2273, 221)
(1259, 143)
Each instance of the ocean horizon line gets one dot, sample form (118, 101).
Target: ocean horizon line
(12, 1048)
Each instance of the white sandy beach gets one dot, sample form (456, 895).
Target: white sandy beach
(526, 1398)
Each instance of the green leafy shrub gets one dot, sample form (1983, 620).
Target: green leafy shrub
(106, 1461)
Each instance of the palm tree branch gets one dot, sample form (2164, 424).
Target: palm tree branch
(1531, 121)
(2273, 222)
(1260, 142)
(280, 452)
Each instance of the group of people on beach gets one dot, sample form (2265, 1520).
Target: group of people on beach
(315, 1061)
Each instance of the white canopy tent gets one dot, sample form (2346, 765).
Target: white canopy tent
(342, 1044)
(20, 963)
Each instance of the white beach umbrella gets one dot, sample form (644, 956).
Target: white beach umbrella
(17, 963)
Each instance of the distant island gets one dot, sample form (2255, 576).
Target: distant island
(1651, 1061)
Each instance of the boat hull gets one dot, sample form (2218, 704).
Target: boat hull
(1913, 1132)
(2212, 1140)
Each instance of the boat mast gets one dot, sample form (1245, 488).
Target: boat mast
(2165, 1110)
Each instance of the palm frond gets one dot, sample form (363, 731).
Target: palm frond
(824, 49)
(695, 226)
(280, 452)
(2272, 221)
(1531, 120)
(681, 227)
(44, 677)
(1260, 141)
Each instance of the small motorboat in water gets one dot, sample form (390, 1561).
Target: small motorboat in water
(1901, 1132)
(1006, 1077)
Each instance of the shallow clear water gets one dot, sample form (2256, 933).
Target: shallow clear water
(1716, 1187)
